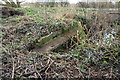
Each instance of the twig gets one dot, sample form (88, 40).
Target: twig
(111, 72)
(56, 74)
(48, 66)
(29, 73)
(79, 72)
(18, 67)
(115, 76)
(37, 71)
(13, 70)
(89, 73)
(104, 68)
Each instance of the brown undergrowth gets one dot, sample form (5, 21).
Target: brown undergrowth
(91, 57)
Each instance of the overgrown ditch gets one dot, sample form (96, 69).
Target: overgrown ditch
(113, 23)
(92, 51)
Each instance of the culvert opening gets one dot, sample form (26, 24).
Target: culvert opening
(66, 46)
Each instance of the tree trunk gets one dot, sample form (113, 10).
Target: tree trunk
(7, 3)
(18, 3)
(11, 3)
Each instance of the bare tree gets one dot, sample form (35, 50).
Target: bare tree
(11, 3)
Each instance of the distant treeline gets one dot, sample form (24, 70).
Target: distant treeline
(98, 5)
(50, 4)
(79, 4)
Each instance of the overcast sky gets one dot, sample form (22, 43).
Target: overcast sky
(71, 1)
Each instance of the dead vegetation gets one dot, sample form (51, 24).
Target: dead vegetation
(6, 12)
(83, 58)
